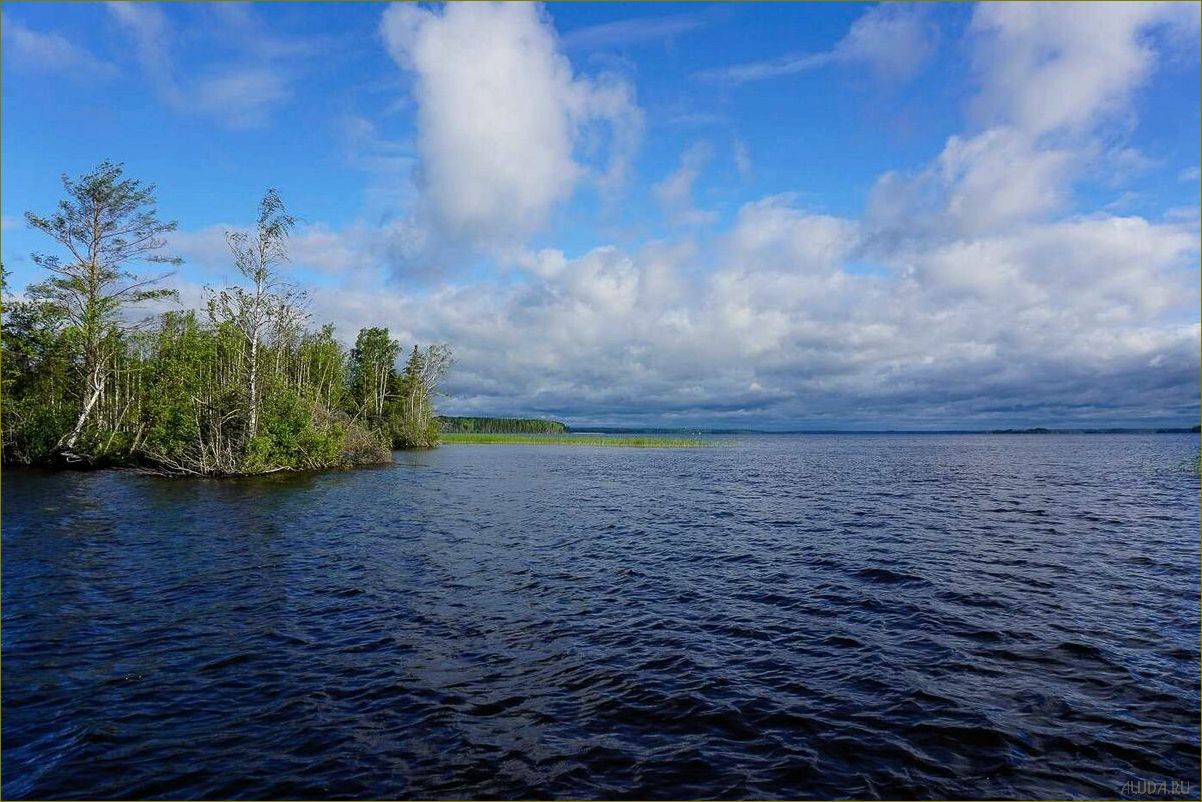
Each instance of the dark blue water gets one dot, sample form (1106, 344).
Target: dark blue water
(829, 616)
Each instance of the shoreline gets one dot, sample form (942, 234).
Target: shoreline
(463, 438)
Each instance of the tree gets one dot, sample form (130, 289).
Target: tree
(271, 302)
(423, 373)
(248, 389)
(106, 222)
(373, 369)
(320, 367)
(38, 378)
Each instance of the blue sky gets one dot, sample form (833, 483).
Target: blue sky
(778, 215)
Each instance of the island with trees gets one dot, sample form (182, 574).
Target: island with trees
(243, 386)
(466, 425)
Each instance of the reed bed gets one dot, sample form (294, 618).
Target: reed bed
(619, 441)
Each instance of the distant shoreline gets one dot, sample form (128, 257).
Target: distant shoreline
(569, 439)
(698, 431)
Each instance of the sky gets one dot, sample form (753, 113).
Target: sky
(774, 216)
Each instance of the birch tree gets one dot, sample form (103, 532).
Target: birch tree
(423, 373)
(269, 303)
(373, 369)
(106, 223)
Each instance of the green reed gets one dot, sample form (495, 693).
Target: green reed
(573, 440)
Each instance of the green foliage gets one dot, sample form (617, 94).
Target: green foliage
(289, 436)
(39, 382)
(373, 370)
(414, 424)
(180, 388)
(574, 440)
(415, 431)
(246, 388)
(501, 425)
(180, 356)
(105, 223)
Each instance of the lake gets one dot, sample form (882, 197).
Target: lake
(773, 616)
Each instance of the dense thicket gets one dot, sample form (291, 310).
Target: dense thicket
(242, 386)
(501, 425)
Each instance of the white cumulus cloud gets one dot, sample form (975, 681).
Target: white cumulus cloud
(503, 121)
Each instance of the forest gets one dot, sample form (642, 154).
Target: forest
(465, 425)
(90, 377)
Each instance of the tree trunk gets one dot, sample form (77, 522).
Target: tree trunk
(253, 417)
(95, 389)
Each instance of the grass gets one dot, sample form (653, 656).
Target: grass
(573, 440)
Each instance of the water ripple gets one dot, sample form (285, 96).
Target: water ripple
(852, 616)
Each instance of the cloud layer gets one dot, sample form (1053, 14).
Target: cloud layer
(892, 40)
(239, 94)
(30, 50)
(974, 289)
